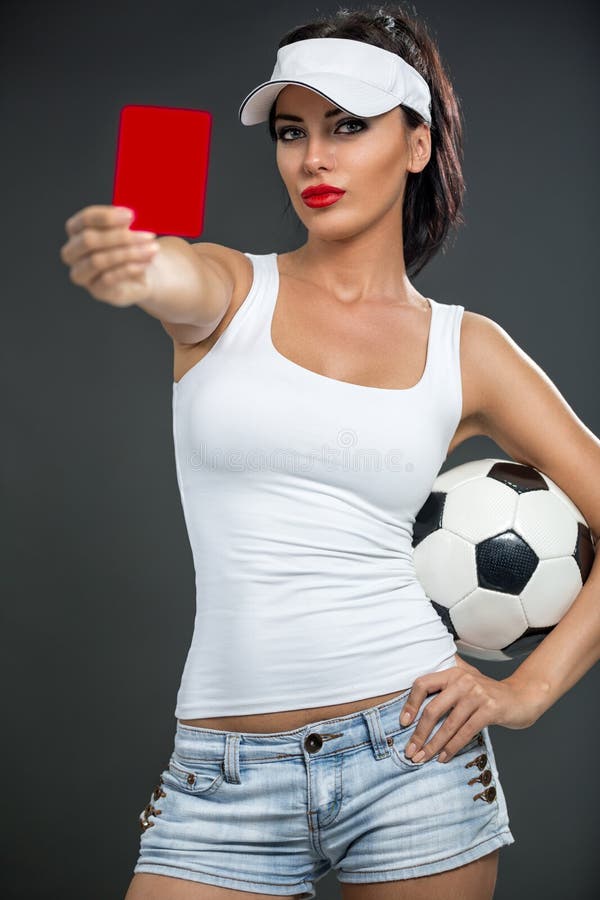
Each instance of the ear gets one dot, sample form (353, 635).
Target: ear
(420, 148)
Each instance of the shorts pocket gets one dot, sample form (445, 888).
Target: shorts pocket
(194, 776)
(401, 741)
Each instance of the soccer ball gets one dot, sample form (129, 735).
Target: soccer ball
(502, 553)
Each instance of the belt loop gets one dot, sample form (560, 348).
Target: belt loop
(231, 758)
(378, 739)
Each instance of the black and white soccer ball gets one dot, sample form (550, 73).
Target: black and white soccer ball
(502, 553)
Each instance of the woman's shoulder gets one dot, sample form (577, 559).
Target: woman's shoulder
(482, 334)
(227, 277)
(490, 358)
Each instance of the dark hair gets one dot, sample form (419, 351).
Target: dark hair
(433, 197)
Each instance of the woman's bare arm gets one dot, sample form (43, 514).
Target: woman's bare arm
(193, 288)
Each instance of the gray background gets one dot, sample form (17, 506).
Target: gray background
(98, 604)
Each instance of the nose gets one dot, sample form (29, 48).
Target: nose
(319, 155)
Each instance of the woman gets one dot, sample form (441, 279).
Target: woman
(311, 417)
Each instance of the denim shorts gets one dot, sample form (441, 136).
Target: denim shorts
(274, 813)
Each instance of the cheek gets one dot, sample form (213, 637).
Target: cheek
(377, 167)
(391, 184)
(288, 169)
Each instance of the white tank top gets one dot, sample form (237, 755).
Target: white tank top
(299, 494)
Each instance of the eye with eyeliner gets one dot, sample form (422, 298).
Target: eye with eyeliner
(282, 131)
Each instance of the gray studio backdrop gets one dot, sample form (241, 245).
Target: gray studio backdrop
(98, 599)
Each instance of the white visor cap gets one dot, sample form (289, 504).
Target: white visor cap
(359, 78)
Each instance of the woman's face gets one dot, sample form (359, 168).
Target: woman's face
(367, 157)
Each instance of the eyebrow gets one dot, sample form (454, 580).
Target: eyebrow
(327, 115)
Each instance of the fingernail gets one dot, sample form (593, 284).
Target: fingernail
(405, 718)
(418, 756)
(442, 757)
(411, 749)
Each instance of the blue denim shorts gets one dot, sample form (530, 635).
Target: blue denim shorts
(274, 813)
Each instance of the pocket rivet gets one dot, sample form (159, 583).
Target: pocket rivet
(489, 795)
(148, 810)
(479, 761)
(484, 778)
(191, 779)
(158, 792)
(390, 741)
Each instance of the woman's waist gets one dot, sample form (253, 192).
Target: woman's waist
(287, 720)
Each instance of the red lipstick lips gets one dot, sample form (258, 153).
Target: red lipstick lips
(320, 189)
(318, 195)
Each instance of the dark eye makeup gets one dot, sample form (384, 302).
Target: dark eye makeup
(283, 131)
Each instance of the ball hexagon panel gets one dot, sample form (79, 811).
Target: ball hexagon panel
(541, 518)
(454, 574)
(551, 591)
(488, 619)
(468, 471)
(477, 509)
(575, 511)
(466, 649)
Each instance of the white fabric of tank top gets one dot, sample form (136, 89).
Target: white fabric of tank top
(299, 494)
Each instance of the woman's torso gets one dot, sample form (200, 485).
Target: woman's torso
(312, 335)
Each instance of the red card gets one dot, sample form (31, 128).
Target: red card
(161, 169)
